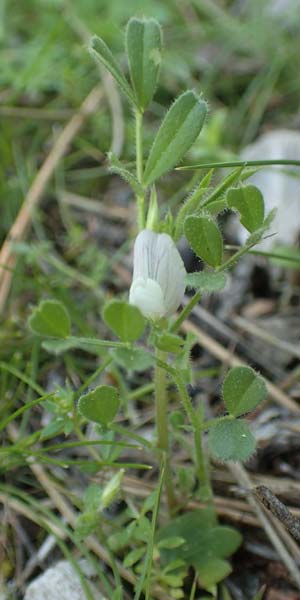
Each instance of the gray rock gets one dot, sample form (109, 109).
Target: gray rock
(280, 188)
(61, 582)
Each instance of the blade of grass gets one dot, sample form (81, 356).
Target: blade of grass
(144, 582)
(14, 371)
(239, 163)
(23, 409)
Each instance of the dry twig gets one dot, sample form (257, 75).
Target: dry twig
(243, 479)
(279, 510)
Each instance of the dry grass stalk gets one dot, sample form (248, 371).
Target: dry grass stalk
(244, 480)
(36, 190)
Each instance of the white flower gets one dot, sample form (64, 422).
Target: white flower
(158, 275)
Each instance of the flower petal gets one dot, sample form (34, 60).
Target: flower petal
(170, 273)
(144, 255)
(157, 258)
(147, 295)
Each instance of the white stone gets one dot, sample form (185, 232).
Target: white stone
(61, 582)
(280, 189)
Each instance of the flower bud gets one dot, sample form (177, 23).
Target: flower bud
(158, 282)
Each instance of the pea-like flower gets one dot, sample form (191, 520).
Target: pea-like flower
(158, 281)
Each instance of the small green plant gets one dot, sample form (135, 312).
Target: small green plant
(148, 333)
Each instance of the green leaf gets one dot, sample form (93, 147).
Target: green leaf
(179, 129)
(216, 207)
(206, 281)
(248, 201)
(231, 440)
(133, 557)
(212, 571)
(102, 53)
(203, 539)
(175, 565)
(133, 359)
(220, 190)
(101, 405)
(111, 489)
(224, 540)
(125, 320)
(191, 204)
(243, 390)
(143, 46)
(169, 342)
(92, 498)
(53, 428)
(50, 318)
(205, 239)
(171, 542)
(85, 525)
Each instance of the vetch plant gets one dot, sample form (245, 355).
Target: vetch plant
(147, 326)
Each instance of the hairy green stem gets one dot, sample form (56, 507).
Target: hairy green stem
(139, 167)
(197, 424)
(94, 376)
(161, 406)
(185, 312)
(228, 263)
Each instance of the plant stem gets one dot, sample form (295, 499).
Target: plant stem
(139, 167)
(196, 421)
(186, 311)
(83, 342)
(294, 259)
(94, 376)
(228, 263)
(161, 406)
(212, 422)
(197, 424)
